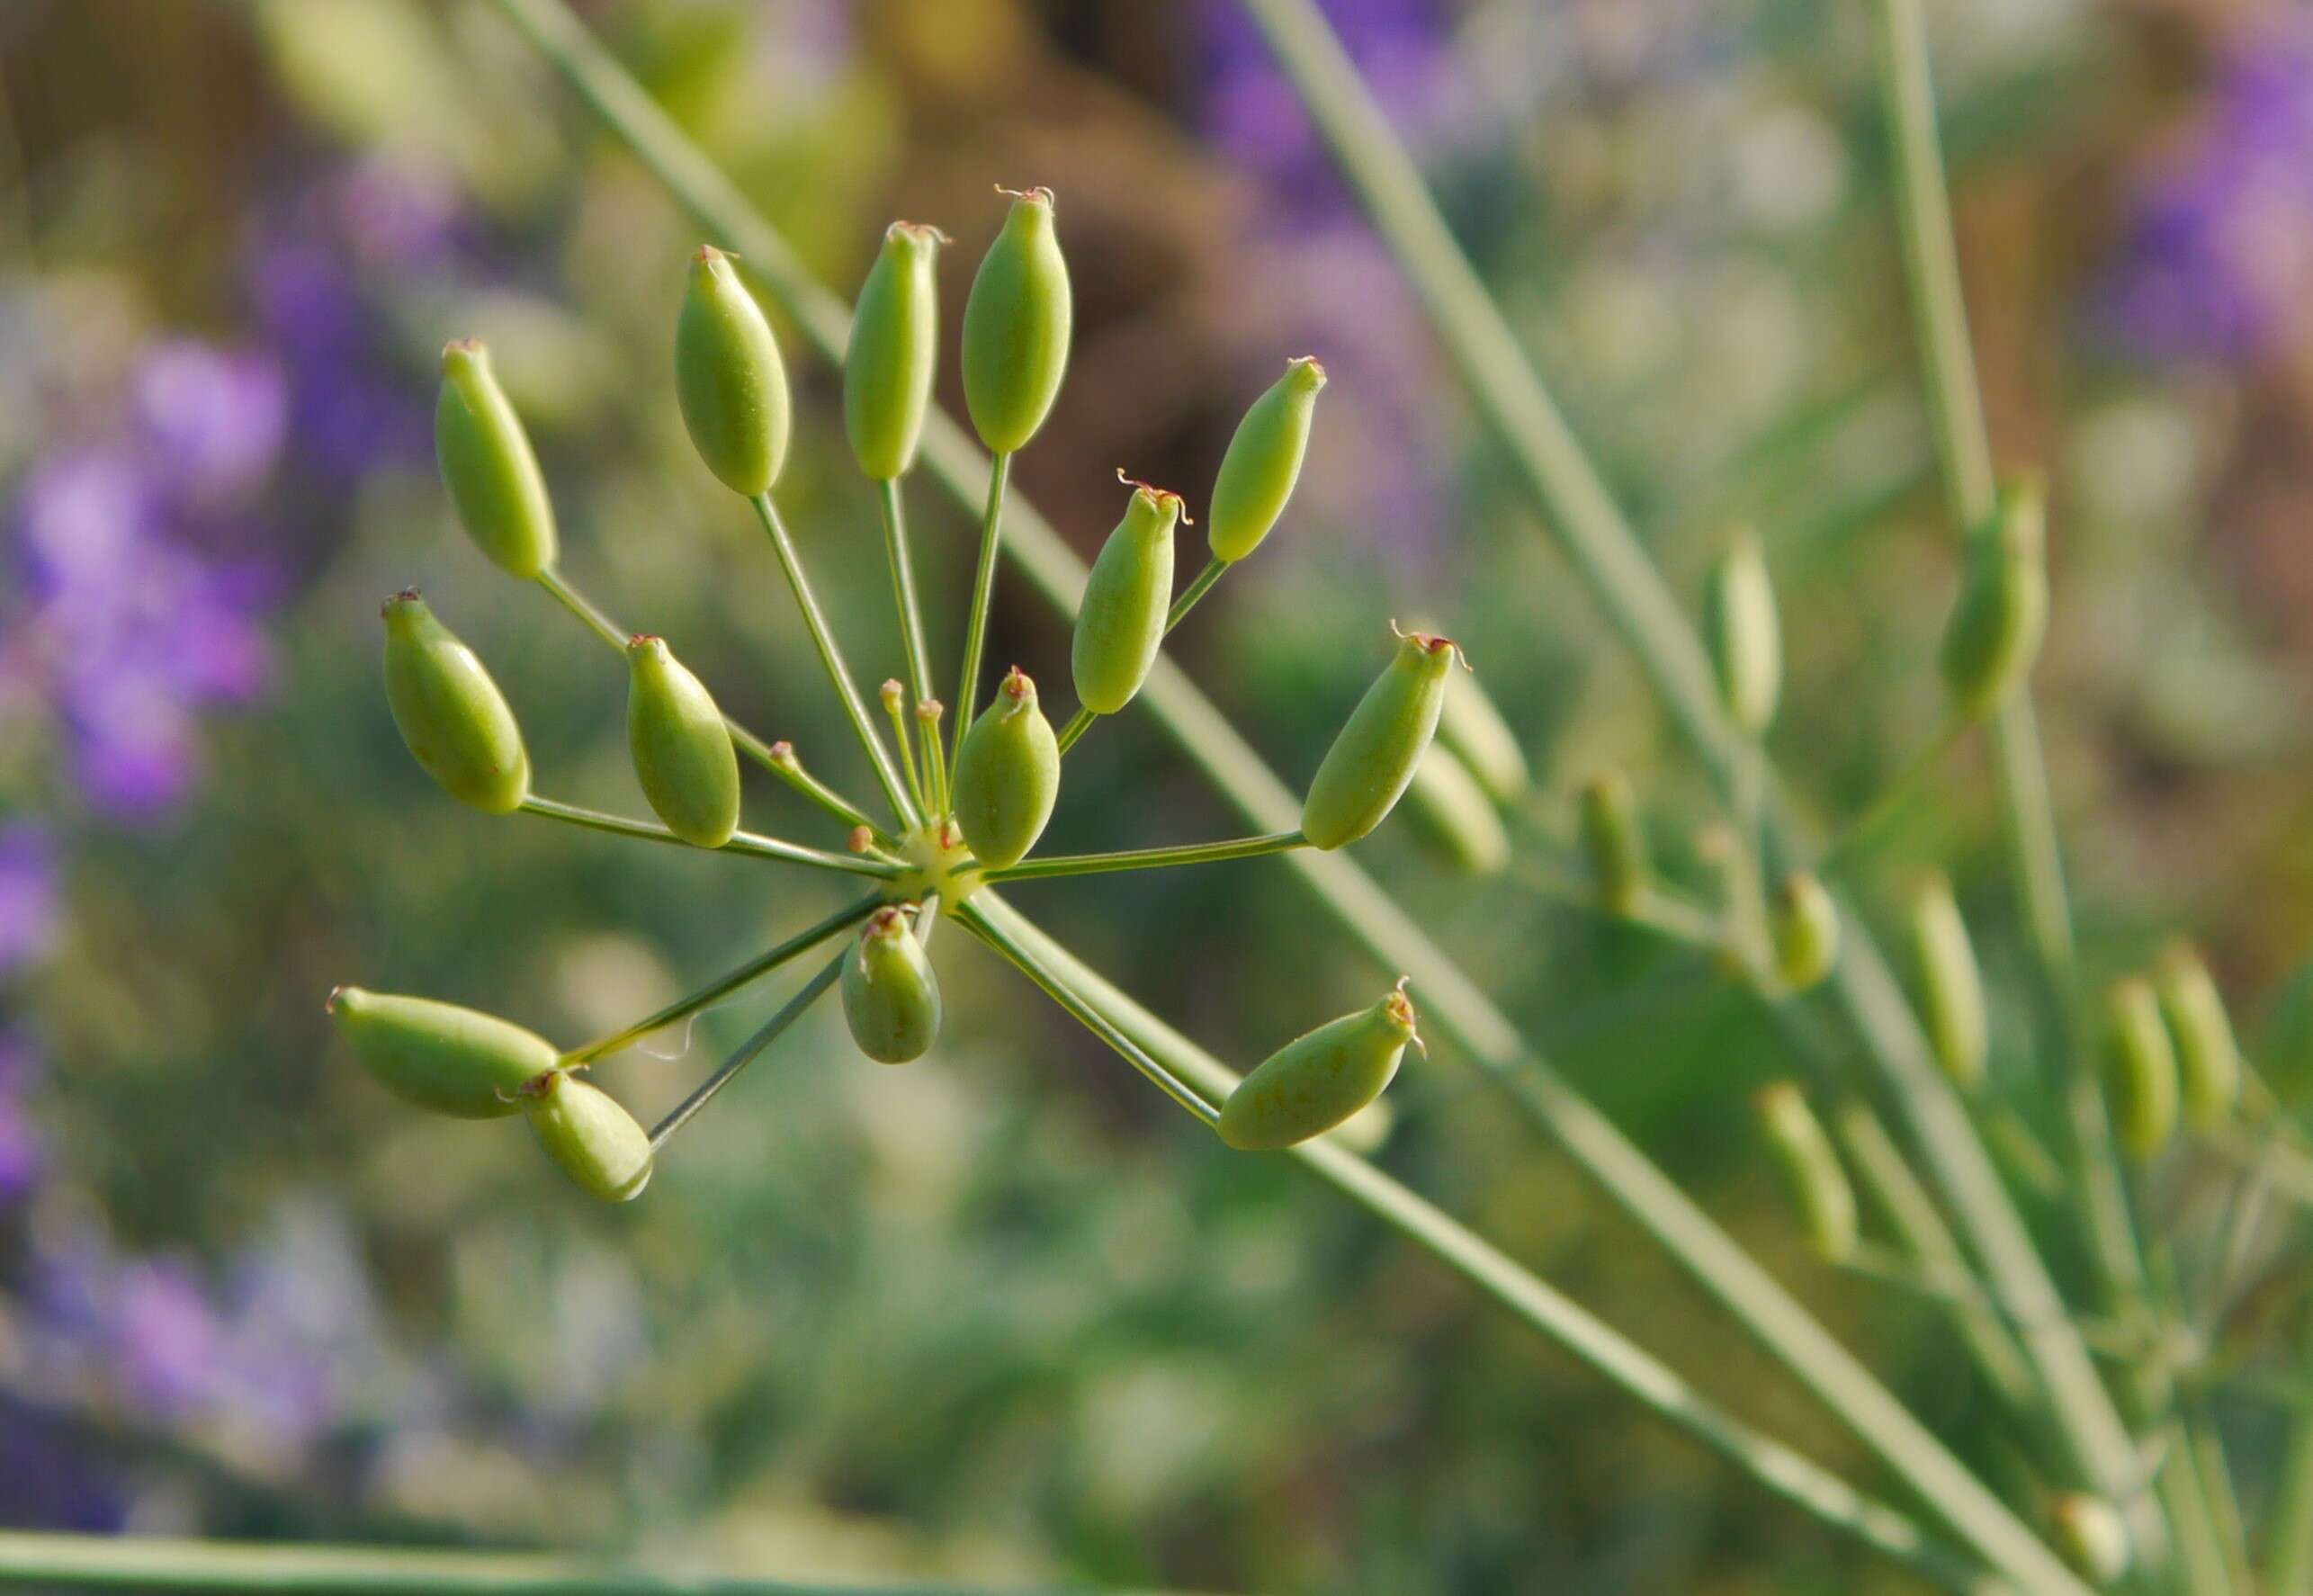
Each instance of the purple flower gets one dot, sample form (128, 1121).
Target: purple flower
(28, 899)
(211, 419)
(165, 1338)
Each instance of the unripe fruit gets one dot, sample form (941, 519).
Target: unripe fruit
(450, 713)
(2139, 1069)
(1471, 726)
(454, 1061)
(2092, 1536)
(895, 348)
(2002, 611)
(488, 465)
(1745, 638)
(1372, 760)
(681, 748)
(728, 378)
(1007, 774)
(1016, 327)
(1811, 1169)
(1804, 925)
(1263, 462)
(2208, 1057)
(1951, 985)
(1319, 1080)
(1454, 815)
(1120, 624)
(891, 999)
(1612, 840)
(599, 1145)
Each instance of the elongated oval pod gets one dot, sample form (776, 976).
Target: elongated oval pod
(454, 1061)
(1803, 925)
(2091, 1535)
(1613, 841)
(892, 353)
(682, 749)
(1007, 774)
(729, 379)
(891, 999)
(599, 1144)
(450, 712)
(487, 464)
(2208, 1057)
(2140, 1068)
(1454, 815)
(1744, 637)
(1374, 756)
(1469, 724)
(1319, 1080)
(2002, 611)
(1120, 624)
(1811, 1169)
(1016, 327)
(1951, 984)
(1263, 462)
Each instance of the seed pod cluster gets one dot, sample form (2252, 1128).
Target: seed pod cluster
(2140, 1068)
(1743, 634)
(1321, 1079)
(1996, 624)
(892, 353)
(1016, 327)
(450, 713)
(488, 465)
(1811, 1169)
(2208, 1057)
(682, 749)
(1120, 620)
(1374, 756)
(891, 999)
(1803, 925)
(1007, 774)
(1263, 462)
(1951, 985)
(1613, 841)
(730, 381)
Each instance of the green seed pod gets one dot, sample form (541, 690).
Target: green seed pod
(1374, 758)
(1471, 726)
(1016, 327)
(2208, 1058)
(728, 378)
(451, 714)
(2139, 1069)
(487, 464)
(599, 1145)
(1319, 1080)
(1007, 776)
(1120, 624)
(1996, 622)
(894, 347)
(1951, 986)
(1263, 462)
(1613, 841)
(681, 749)
(891, 999)
(1804, 925)
(1454, 815)
(1746, 640)
(1811, 1169)
(2091, 1536)
(454, 1061)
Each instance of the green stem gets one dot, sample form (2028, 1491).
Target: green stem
(903, 588)
(823, 638)
(1457, 1009)
(983, 594)
(901, 734)
(801, 943)
(1150, 858)
(166, 1563)
(1785, 1472)
(2288, 1544)
(1077, 725)
(768, 1032)
(1081, 720)
(1844, 847)
(576, 603)
(741, 842)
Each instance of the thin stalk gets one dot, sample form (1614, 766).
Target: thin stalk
(823, 637)
(903, 588)
(1081, 720)
(2289, 1544)
(715, 991)
(1892, 795)
(754, 748)
(1150, 858)
(2217, 1489)
(1455, 1008)
(1783, 1471)
(1581, 515)
(928, 716)
(1907, 1273)
(741, 842)
(983, 596)
(768, 1032)
(897, 713)
(1653, 909)
(167, 1562)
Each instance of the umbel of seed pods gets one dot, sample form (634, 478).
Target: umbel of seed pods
(981, 817)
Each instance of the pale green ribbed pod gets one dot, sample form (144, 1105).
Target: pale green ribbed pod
(1016, 327)
(450, 713)
(454, 1061)
(1007, 774)
(682, 750)
(596, 1143)
(730, 381)
(891, 998)
(1319, 1080)
(1120, 620)
(488, 465)
(1373, 758)
(893, 351)
(1263, 462)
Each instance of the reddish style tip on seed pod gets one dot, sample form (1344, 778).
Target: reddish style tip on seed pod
(1120, 620)
(891, 998)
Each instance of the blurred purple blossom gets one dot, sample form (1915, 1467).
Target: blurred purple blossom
(28, 898)
(211, 418)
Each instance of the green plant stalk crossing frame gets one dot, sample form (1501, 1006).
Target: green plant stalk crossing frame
(1455, 1005)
